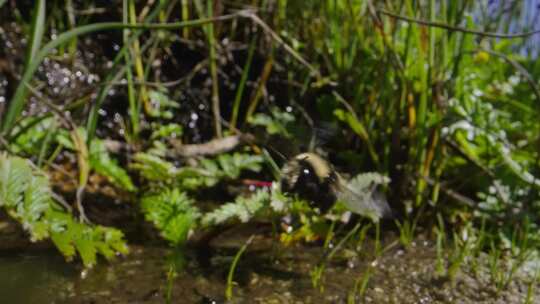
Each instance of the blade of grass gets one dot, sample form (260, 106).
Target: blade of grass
(138, 63)
(133, 104)
(213, 68)
(242, 84)
(267, 69)
(37, 31)
(46, 143)
(230, 275)
(185, 17)
(72, 22)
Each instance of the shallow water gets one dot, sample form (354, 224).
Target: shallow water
(32, 277)
(267, 273)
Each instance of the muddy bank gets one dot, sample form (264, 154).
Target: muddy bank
(267, 273)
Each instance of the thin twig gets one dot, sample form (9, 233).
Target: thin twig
(457, 28)
(4, 145)
(452, 193)
(79, 197)
(251, 15)
(59, 199)
(213, 147)
(476, 163)
(54, 108)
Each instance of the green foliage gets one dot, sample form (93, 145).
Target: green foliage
(169, 207)
(172, 212)
(207, 173)
(167, 130)
(162, 105)
(153, 167)
(243, 208)
(71, 236)
(231, 165)
(26, 196)
(37, 31)
(32, 133)
(278, 122)
(352, 122)
(101, 161)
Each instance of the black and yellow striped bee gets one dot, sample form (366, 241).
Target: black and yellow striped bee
(314, 179)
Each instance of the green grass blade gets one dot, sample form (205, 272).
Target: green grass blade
(38, 29)
(230, 275)
(242, 84)
(213, 69)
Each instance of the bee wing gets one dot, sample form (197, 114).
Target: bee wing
(366, 201)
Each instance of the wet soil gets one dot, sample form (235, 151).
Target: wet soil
(268, 272)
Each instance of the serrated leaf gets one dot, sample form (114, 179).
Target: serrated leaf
(278, 123)
(62, 241)
(243, 208)
(152, 167)
(26, 195)
(102, 163)
(172, 212)
(87, 250)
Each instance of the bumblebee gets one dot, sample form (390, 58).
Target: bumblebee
(314, 179)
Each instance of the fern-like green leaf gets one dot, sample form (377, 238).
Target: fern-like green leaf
(34, 131)
(71, 237)
(100, 160)
(172, 212)
(25, 194)
(243, 208)
(278, 123)
(102, 163)
(153, 167)
(208, 172)
(232, 165)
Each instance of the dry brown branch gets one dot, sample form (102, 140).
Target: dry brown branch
(213, 147)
